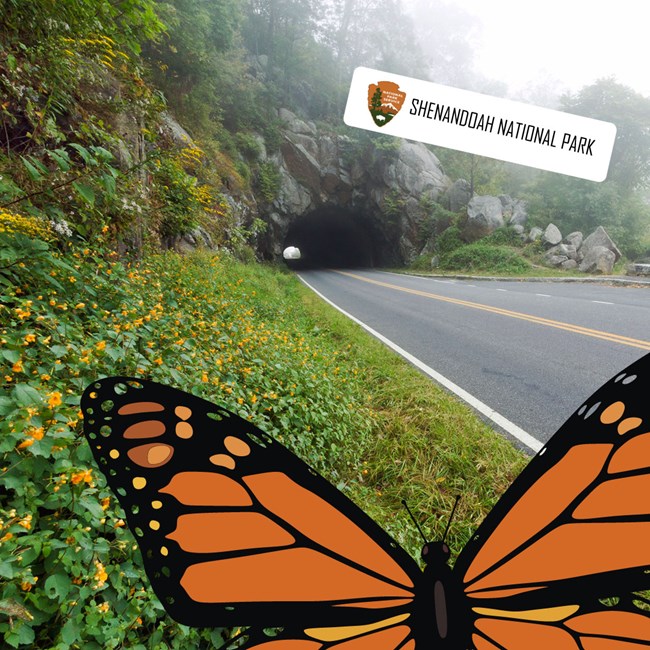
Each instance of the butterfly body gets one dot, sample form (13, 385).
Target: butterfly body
(236, 530)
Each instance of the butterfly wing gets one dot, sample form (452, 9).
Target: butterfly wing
(234, 529)
(571, 531)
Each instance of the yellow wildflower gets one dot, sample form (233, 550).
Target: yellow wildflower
(54, 399)
(26, 522)
(85, 476)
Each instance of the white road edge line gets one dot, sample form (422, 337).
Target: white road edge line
(515, 431)
(602, 302)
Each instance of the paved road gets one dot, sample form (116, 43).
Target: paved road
(531, 351)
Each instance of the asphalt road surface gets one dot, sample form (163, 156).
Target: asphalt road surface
(525, 354)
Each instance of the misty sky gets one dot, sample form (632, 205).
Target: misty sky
(570, 43)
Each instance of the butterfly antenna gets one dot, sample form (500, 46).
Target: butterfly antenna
(414, 520)
(451, 516)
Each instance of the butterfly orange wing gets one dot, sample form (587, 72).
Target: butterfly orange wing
(236, 530)
(572, 531)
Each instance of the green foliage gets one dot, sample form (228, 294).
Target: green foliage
(83, 179)
(575, 204)
(69, 572)
(393, 205)
(606, 99)
(484, 257)
(449, 240)
(503, 237)
(268, 181)
(176, 195)
(437, 219)
(421, 263)
(248, 146)
(128, 22)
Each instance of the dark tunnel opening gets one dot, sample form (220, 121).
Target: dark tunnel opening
(332, 238)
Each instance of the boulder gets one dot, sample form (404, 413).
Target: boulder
(457, 196)
(416, 170)
(598, 259)
(514, 210)
(563, 249)
(574, 238)
(534, 234)
(600, 238)
(552, 235)
(569, 265)
(294, 124)
(484, 216)
(638, 269)
(556, 260)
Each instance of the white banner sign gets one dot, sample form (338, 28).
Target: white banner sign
(480, 124)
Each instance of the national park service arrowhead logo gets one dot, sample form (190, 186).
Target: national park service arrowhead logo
(385, 100)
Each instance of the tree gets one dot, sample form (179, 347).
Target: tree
(611, 101)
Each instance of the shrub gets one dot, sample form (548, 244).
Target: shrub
(239, 336)
(483, 257)
(268, 181)
(449, 240)
(503, 237)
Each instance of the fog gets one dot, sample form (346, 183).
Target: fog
(534, 51)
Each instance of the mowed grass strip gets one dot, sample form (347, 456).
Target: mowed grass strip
(426, 446)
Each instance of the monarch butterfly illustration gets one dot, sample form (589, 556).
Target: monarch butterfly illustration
(237, 530)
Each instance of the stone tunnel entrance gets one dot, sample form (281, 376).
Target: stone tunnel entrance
(332, 237)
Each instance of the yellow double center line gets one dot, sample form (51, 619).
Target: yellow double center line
(577, 329)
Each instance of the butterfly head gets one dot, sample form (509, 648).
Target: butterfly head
(435, 553)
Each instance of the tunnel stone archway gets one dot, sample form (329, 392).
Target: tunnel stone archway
(332, 237)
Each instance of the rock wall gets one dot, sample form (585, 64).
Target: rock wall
(387, 187)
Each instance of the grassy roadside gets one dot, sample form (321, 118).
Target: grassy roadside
(425, 445)
(247, 336)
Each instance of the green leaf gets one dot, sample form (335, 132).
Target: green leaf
(11, 355)
(83, 152)
(58, 585)
(109, 184)
(6, 570)
(71, 632)
(34, 173)
(26, 395)
(92, 506)
(8, 189)
(59, 351)
(86, 192)
(103, 154)
(25, 634)
(61, 158)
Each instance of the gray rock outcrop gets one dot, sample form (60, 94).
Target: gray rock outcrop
(457, 196)
(638, 268)
(552, 235)
(596, 253)
(598, 259)
(389, 186)
(484, 216)
(600, 238)
(514, 210)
